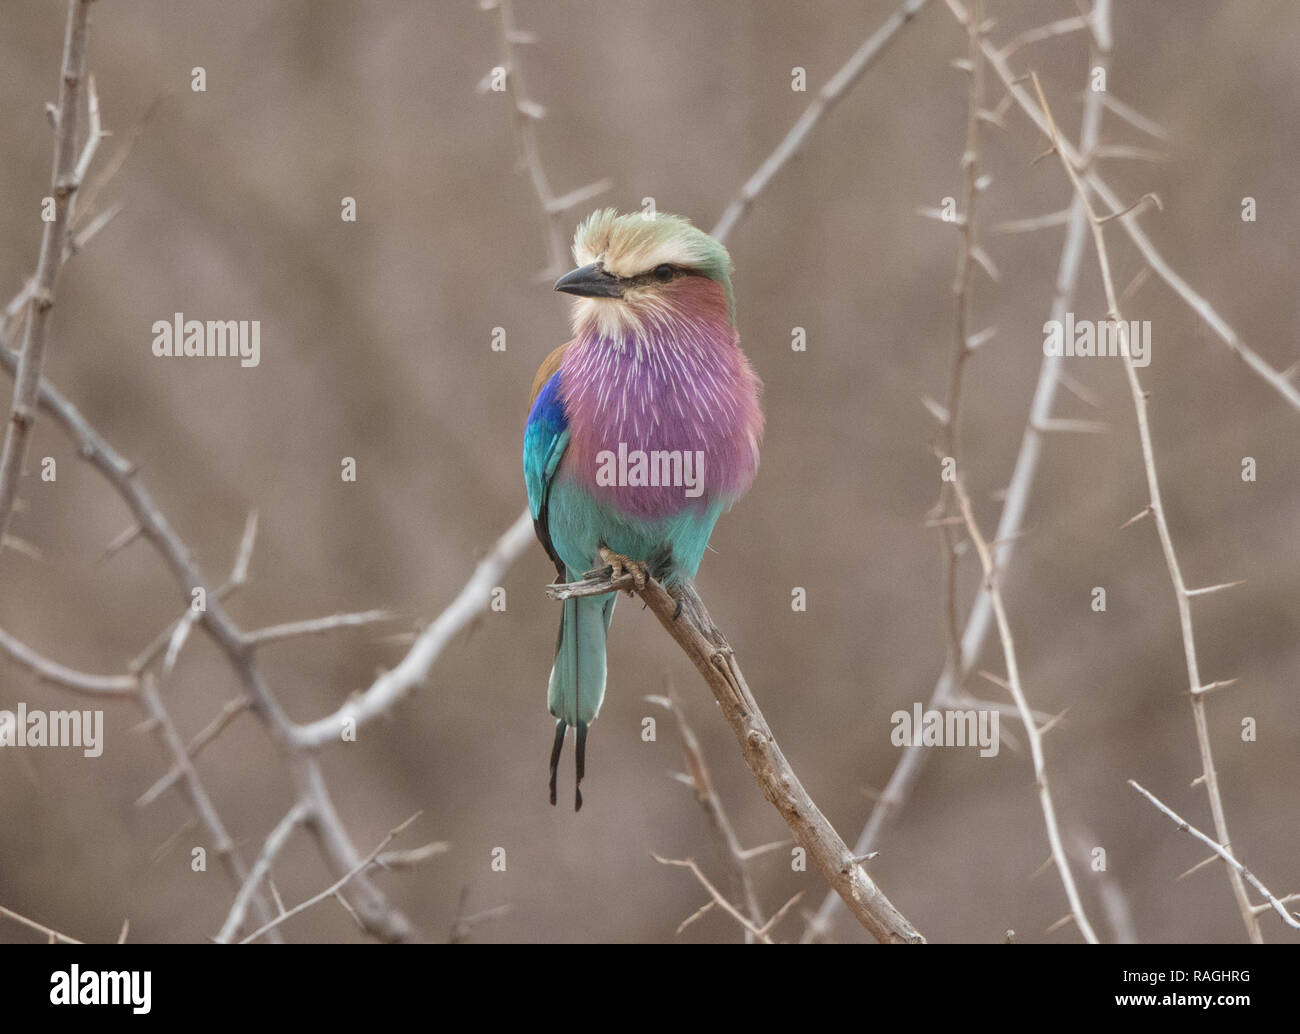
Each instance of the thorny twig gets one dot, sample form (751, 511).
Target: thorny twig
(683, 615)
(979, 620)
(1155, 507)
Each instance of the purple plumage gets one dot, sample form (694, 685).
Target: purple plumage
(675, 387)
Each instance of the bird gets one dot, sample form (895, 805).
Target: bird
(642, 430)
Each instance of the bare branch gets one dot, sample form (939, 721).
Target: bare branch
(409, 859)
(334, 887)
(525, 113)
(979, 619)
(683, 615)
(393, 685)
(379, 916)
(63, 185)
(701, 782)
(315, 626)
(464, 923)
(836, 88)
(53, 935)
(1289, 918)
(1038, 222)
(197, 794)
(1133, 117)
(1156, 506)
(1159, 265)
(228, 713)
(1026, 715)
(1043, 32)
(718, 899)
(270, 851)
(51, 671)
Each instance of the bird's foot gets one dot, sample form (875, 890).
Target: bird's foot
(620, 565)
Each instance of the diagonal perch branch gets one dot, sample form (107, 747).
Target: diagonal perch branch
(682, 613)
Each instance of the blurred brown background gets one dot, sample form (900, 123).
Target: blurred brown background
(375, 344)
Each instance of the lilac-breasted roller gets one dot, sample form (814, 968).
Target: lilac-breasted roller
(642, 430)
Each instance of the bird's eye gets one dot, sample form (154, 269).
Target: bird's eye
(663, 273)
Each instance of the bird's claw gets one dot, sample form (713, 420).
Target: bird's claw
(620, 565)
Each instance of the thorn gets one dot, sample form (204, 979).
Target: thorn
(240, 573)
(1198, 866)
(982, 338)
(576, 197)
(121, 542)
(1153, 198)
(20, 545)
(82, 236)
(995, 680)
(985, 262)
(938, 215)
(996, 544)
(179, 635)
(1078, 390)
(1215, 588)
(1144, 512)
(1057, 425)
(936, 410)
(485, 84)
(701, 911)
(1138, 154)
(530, 109)
(1065, 920)
(1222, 684)
(754, 852)
(1133, 117)
(1052, 722)
(338, 896)
(1038, 222)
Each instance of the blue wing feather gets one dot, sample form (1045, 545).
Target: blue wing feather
(546, 435)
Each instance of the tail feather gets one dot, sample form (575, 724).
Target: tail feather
(577, 685)
(558, 746)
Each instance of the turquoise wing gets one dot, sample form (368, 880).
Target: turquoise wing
(546, 435)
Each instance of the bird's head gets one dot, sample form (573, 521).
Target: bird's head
(634, 269)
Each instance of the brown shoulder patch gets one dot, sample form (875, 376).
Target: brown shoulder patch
(547, 370)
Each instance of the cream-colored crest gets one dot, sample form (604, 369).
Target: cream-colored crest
(627, 245)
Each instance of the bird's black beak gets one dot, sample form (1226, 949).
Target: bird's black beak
(590, 281)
